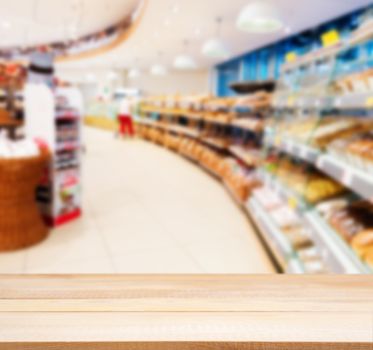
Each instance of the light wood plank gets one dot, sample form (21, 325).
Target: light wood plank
(200, 327)
(185, 346)
(186, 312)
(187, 293)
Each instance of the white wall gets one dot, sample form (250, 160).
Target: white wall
(174, 83)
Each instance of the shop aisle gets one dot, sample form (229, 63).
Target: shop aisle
(146, 211)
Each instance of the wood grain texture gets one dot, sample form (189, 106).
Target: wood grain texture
(186, 312)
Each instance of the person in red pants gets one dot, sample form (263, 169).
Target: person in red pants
(125, 119)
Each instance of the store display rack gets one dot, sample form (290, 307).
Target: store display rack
(59, 194)
(339, 95)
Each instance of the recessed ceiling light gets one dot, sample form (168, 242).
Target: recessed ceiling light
(134, 73)
(91, 78)
(175, 9)
(112, 76)
(197, 32)
(6, 24)
(158, 70)
(167, 22)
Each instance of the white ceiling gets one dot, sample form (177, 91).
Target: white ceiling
(30, 22)
(168, 22)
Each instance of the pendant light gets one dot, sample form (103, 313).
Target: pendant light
(158, 69)
(134, 73)
(216, 47)
(185, 61)
(112, 76)
(260, 17)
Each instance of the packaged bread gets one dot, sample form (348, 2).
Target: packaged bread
(362, 243)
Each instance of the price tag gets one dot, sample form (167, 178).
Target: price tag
(347, 177)
(304, 153)
(330, 38)
(291, 56)
(293, 203)
(369, 102)
(320, 163)
(291, 101)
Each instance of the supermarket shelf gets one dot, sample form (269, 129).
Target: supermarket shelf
(289, 196)
(301, 151)
(209, 171)
(242, 123)
(68, 146)
(275, 239)
(241, 154)
(67, 115)
(147, 122)
(184, 131)
(353, 178)
(344, 102)
(214, 143)
(237, 200)
(217, 121)
(336, 252)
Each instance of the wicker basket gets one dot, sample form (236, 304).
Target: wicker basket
(21, 224)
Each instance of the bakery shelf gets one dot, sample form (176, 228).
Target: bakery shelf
(214, 143)
(248, 124)
(355, 179)
(289, 196)
(238, 201)
(275, 239)
(184, 131)
(294, 148)
(243, 155)
(348, 101)
(333, 248)
(147, 122)
(354, 101)
(299, 150)
(210, 171)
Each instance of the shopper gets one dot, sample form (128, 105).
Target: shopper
(125, 118)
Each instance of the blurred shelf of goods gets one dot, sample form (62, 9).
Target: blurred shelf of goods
(295, 153)
(288, 132)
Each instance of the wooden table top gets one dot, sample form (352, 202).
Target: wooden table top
(186, 312)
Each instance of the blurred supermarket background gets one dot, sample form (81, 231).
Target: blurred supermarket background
(175, 136)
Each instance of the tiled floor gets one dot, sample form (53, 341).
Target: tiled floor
(147, 210)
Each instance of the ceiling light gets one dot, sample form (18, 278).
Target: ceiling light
(185, 62)
(175, 9)
(91, 78)
(167, 22)
(197, 32)
(260, 17)
(112, 76)
(134, 73)
(6, 24)
(216, 48)
(158, 69)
